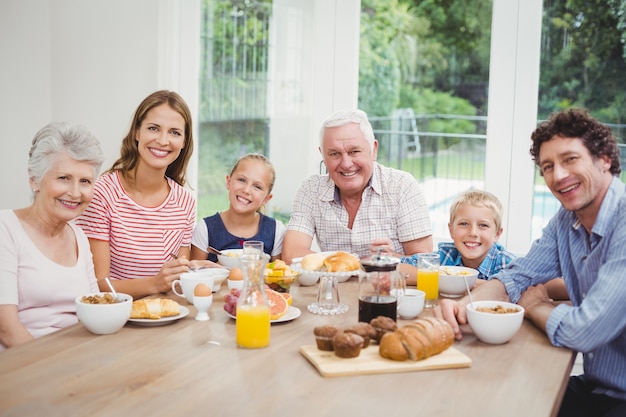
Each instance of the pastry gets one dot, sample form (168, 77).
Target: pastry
(419, 340)
(313, 261)
(382, 324)
(365, 330)
(347, 345)
(341, 262)
(154, 308)
(324, 337)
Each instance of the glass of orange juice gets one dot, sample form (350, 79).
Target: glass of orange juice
(428, 277)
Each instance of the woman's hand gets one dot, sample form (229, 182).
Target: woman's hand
(170, 271)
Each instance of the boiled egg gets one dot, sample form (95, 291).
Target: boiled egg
(202, 290)
(236, 274)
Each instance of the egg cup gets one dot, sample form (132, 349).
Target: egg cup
(202, 305)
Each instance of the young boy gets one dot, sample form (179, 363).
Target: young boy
(475, 227)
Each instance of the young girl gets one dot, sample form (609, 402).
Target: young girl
(141, 214)
(249, 187)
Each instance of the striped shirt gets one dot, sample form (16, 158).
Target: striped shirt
(496, 259)
(593, 266)
(140, 238)
(392, 205)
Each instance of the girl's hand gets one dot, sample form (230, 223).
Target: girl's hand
(170, 271)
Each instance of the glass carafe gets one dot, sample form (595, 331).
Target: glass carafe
(381, 287)
(253, 308)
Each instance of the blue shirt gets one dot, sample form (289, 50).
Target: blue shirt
(497, 258)
(594, 268)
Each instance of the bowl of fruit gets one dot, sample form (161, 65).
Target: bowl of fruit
(279, 276)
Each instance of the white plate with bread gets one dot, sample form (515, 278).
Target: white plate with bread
(342, 265)
(163, 312)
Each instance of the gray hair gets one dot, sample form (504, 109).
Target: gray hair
(66, 138)
(343, 117)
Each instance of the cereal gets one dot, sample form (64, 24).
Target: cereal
(99, 299)
(497, 310)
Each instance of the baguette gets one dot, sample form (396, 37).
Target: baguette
(418, 340)
(154, 308)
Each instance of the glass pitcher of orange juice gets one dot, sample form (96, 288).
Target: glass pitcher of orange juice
(253, 309)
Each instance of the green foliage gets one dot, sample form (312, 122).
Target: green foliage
(583, 58)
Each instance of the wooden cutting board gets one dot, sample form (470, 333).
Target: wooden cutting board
(370, 362)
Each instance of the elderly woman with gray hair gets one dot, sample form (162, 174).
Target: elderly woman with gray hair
(45, 260)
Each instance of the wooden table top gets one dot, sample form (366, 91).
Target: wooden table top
(193, 368)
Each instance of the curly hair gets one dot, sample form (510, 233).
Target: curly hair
(577, 123)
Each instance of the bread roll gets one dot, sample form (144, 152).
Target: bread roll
(313, 261)
(154, 308)
(392, 346)
(341, 262)
(419, 340)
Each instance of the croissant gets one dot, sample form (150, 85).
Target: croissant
(154, 308)
(341, 262)
(416, 341)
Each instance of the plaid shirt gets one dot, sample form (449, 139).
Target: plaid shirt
(497, 259)
(392, 205)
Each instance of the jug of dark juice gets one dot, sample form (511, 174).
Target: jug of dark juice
(381, 287)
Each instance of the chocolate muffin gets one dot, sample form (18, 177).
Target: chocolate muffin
(324, 337)
(383, 324)
(365, 330)
(347, 345)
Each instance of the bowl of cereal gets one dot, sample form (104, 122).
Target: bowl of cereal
(101, 313)
(452, 280)
(494, 322)
(230, 258)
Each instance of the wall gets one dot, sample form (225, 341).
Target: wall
(87, 61)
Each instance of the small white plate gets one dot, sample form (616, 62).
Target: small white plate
(184, 311)
(291, 314)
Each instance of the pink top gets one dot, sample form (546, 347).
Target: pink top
(140, 238)
(43, 290)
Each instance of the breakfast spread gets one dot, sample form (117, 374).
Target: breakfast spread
(415, 341)
(337, 262)
(154, 308)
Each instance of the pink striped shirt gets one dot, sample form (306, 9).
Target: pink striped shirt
(140, 238)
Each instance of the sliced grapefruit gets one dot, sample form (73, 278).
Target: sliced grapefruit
(287, 297)
(278, 304)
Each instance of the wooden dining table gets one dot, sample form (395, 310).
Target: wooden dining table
(194, 368)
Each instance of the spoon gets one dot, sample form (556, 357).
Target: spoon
(119, 299)
(213, 250)
(469, 293)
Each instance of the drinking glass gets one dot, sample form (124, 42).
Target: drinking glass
(252, 246)
(428, 277)
(328, 301)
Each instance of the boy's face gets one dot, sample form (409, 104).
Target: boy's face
(474, 232)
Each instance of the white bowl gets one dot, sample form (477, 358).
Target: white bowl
(230, 258)
(452, 282)
(492, 327)
(104, 318)
(219, 276)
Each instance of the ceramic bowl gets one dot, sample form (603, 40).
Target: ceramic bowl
(492, 327)
(230, 258)
(103, 318)
(452, 280)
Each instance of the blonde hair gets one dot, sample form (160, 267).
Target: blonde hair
(478, 198)
(260, 158)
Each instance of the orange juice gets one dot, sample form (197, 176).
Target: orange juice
(253, 326)
(428, 281)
